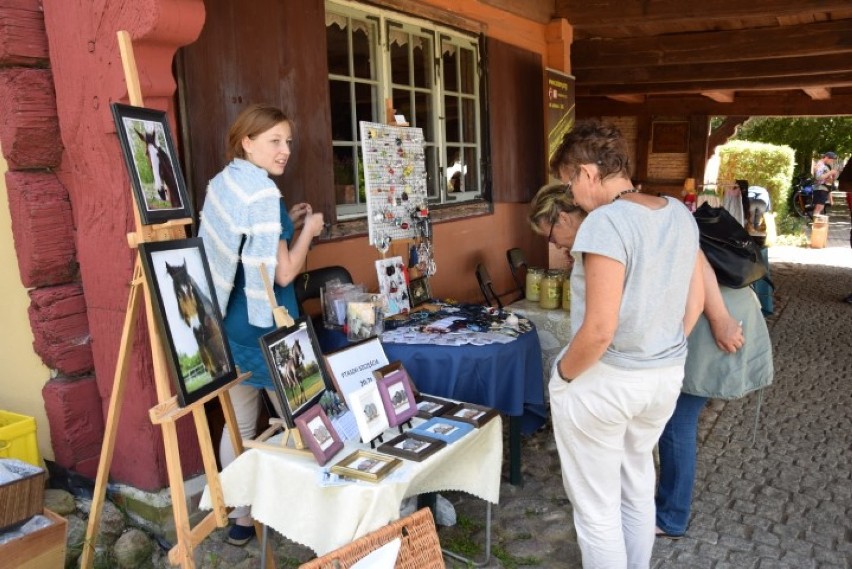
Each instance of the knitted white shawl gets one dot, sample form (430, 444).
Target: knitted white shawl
(242, 202)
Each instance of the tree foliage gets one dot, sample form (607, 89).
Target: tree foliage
(809, 137)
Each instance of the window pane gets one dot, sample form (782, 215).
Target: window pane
(402, 103)
(362, 51)
(344, 175)
(424, 115)
(468, 70)
(338, 45)
(422, 55)
(341, 110)
(471, 170)
(454, 170)
(399, 56)
(365, 95)
(451, 116)
(432, 188)
(468, 120)
(448, 55)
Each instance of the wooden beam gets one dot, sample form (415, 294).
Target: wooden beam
(822, 38)
(720, 96)
(606, 13)
(818, 94)
(825, 80)
(775, 67)
(540, 11)
(634, 99)
(786, 103)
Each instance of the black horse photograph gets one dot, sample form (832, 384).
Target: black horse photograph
(188, 316)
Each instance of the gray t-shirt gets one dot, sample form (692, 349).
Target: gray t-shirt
(658, 249)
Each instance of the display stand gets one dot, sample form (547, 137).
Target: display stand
(168, 411)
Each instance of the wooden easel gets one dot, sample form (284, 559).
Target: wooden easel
(167, 412)
(282, 319)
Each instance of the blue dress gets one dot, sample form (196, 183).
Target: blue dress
(242, 336)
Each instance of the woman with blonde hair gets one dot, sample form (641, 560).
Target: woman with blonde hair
(244, 223)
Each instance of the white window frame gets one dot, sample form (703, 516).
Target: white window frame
(438, 34)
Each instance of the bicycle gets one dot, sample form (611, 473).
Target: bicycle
(802, 196)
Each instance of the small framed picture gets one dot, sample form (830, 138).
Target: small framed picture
(411, 446)
(292, 356)
(396, 393)
(442, 429)
(319, 434)
(187, 316)
(366, 465)
(152, 163)
(429, 406)
(351, 368)
(476, 415)
(419, 291)
(369, 410)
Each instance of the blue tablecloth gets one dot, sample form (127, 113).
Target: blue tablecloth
(507, 377)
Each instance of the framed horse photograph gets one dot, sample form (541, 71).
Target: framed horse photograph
(294, 360)
(396, 393)
(187, 316)
(152, 163)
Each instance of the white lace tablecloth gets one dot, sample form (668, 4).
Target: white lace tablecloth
(283, 490)
(553, 327)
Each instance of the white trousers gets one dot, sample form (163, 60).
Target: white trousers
(606, 423)
(246, 403)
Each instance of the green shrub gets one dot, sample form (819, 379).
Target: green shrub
(762, 164)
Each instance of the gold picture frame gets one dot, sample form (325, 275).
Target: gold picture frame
(366, 465)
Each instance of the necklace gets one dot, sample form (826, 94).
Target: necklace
(622, 192)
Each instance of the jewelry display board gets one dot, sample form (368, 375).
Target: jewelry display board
(395, 181)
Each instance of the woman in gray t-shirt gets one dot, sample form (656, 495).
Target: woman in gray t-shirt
(635, 293)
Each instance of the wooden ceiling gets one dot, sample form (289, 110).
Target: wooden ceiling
(748, 57)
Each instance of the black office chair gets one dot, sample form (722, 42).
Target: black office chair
(518, 266)
(309, 283)
(487, 287)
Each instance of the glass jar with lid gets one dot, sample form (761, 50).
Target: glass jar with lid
(566, 292)
(533, 283)
(551, 289)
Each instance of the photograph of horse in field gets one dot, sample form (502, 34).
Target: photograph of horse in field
(296, 369)
(154, 166)
(180, 282)
(152, 163)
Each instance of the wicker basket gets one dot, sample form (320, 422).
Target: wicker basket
(23, 498)
(420, 547)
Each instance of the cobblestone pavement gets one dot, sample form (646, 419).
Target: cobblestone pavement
(778, 497)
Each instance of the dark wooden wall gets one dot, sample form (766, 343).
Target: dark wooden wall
(263, 51)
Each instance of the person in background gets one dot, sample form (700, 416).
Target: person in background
(554, 207)
(758, 200)
(824, 176)
(725, 360)
(244, 223)
(636, 291)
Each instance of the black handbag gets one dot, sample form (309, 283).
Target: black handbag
(731, 251)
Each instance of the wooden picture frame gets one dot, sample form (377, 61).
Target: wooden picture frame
(187, 316)
(366, 465)
(369, 411)
(419, 291)
(397, 395)
(411, 446)
(293, 358)
(319, 434)
(442, 429)
(476, 415)
(152, 163)
(670, 137)
(429, 406)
